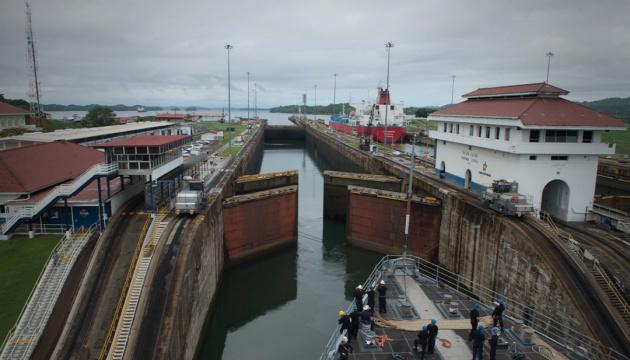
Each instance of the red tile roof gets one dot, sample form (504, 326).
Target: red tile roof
(170, 116)
(88, 194)
(514, 90)
(8, 109)
(533, 112)
(144, 140)
(36, 167)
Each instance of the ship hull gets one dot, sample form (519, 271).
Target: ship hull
(394, 134)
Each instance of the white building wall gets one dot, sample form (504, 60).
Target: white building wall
(12, 121)
(579, 172)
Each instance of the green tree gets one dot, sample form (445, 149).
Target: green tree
(98, 116)
(423, 112)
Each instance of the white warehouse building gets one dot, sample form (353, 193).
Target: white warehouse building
(528, 134)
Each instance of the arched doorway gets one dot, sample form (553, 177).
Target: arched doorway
(468, 180)
(555, 199)
(442, 170)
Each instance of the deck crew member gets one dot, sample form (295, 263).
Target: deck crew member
(382, 297)
(478, 338)
(497, 314)
(494, 340)
(474, 319)
(370, 298)
(366, 317)
(358, 296)
(354, 316)
(345, 349)
(422, 340)
(344, 321)
(432, 328)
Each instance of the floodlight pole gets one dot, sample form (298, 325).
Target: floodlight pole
(549, 55)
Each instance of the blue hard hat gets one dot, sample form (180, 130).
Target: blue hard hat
(370, 287)
(433, 321)
(494, 330)
(424, 328)
(477, 306)
(480, 327)
(501, 301)
(354, 306)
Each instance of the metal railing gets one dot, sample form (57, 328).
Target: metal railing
(28, 211)
(68, 248)
(550, 326)
(624, 308)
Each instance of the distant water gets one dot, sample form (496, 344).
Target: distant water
(274, 118)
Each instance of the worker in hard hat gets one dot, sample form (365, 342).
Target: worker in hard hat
(344, 321)
(366, 317)
(382, 297)
(422, 340)
(358, 296)
(432, 328)
(494, 341)
(354, 317)
(474, 319)
(478, 338)
(370, 298)
(345, 349)
(497, 314)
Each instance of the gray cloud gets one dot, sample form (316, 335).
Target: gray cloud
(166, 52)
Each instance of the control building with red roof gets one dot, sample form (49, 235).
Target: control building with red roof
(529, 134)
(13, 117)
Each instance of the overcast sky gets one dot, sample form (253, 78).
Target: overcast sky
(159, 52)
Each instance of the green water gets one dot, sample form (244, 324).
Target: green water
(284, 306)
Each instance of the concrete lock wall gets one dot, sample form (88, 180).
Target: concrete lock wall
(376, 222)
(336, 190)
(200, 264)
(259, 222)
(259, 182)
(474, 242)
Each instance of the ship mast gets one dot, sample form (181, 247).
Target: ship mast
(31, 56)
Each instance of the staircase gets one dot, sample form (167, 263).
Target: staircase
(612, 291)
(63, 190)
(127, 316)
(21, 342)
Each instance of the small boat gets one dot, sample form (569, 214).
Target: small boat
(141, 109)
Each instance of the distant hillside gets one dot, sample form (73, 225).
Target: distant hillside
(119, 107)
(617, 107)
(320, 109)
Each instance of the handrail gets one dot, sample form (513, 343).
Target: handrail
(611, 286)
(546, 325)
(121, 300)
(30, 296)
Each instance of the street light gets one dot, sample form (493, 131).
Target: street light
(315, 106)
(228, 47)
(334, 93)
(549, 55)
(389, 45)
(452, 89)
(248, 95)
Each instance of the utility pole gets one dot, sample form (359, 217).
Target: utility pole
(452, 89)
(31, 55)
(248, 95)
(549, 55)
(408, 213)
(334, 93)
(389, 45)
(315, 106)
(255, 102)
(228, 47)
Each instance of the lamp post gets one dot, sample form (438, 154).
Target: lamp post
(334, 93)
(549, 55)
(315, 106)
(452, 89)
(248, 95)
(389, 45)
(228, 47)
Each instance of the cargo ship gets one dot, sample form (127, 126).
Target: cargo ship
(368, 120)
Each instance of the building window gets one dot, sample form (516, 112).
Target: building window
(559, 157)
(479, 131)
(471, 130)
(487, 132)
(450, 128)
(507, 134)
(497, 133)
(587, 137)
(457, 129)
(534, 136)
(532, 157)
(391, 107)
(444, 127)
(561, 136)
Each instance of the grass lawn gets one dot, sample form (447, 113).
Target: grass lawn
(621, 138)
(414, 125)
(21, 261)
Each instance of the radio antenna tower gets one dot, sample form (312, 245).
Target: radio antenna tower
(31, 58)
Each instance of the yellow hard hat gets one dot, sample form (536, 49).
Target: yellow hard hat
(341, 313)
